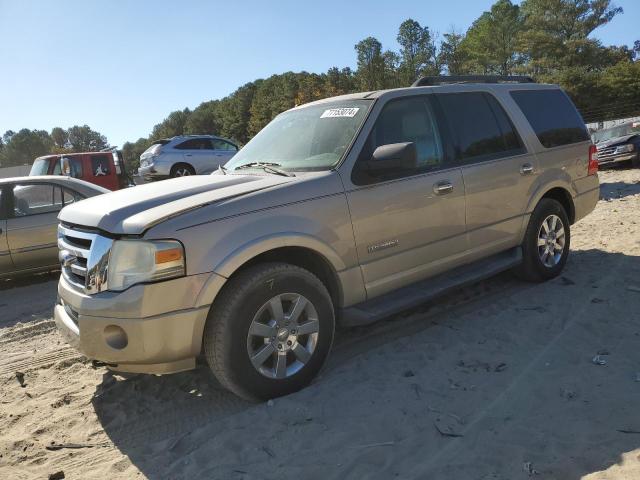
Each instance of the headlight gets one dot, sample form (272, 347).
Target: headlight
(139, 261)
(625, 148)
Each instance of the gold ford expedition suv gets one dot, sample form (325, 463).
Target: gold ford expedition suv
(339, 212)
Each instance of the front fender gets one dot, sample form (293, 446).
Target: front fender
(255, 247)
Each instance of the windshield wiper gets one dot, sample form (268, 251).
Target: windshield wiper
(267, 167)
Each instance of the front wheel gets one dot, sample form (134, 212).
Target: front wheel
(182, 170)
(270, 331)
(546, 243)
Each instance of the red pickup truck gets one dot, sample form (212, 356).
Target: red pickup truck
(101, 168)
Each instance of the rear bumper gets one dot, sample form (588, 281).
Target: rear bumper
(153, 172)
(588, 195)
(146, 330)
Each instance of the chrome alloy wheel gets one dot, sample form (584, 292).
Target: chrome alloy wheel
(551, 241)
(182, 172)
(283, 335)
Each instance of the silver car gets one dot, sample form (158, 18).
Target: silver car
(185, 155)
(29, 208)
(340, 212)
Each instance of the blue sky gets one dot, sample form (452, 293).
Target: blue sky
(122, 66)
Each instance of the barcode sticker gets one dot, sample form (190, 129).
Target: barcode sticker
(340, 112)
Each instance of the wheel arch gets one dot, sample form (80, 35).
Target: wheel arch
(301, 250)
(558, 192)
(565, 199)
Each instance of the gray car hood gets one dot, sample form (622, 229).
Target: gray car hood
(615, 141)
(133, 210)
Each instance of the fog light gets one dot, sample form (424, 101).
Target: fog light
(115, 337)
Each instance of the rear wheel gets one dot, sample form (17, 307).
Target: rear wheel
(182, 170)
(546, 244)
(270, 331)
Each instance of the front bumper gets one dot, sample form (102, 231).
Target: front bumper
(154, 328)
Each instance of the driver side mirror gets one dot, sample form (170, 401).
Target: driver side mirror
(393, 157)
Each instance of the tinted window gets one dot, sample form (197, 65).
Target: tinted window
(100, 165)
(35, 199)
(552, 116)
(405, 120)
(195, 144)
(222, 145)
(480, 126)
(71, 166)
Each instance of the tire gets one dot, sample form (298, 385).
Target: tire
(635, 162)
(533, 267)
(181, 170)
(246, 306)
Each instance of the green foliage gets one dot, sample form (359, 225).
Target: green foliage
(417, 52)
(171, 126)
(60, 137)
(555, 34)
(453, 55)
(84, 139)
(491, 42)
(22, 147)
(370, 64)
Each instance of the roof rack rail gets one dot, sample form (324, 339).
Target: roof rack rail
(444, 79)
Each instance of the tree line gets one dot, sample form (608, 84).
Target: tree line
(546, 39)
(23, 146)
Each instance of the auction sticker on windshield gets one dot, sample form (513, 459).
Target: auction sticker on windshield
(340, 112)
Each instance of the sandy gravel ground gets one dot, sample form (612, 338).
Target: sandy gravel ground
(495, 381)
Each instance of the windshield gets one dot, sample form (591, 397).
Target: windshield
(40, 167)
(615, 132)
(308, 138)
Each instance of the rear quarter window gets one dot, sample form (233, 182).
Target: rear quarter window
(552, 116)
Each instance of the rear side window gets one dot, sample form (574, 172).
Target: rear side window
(480, 127)
(100, 165)
(195, 144)
(222, 145)
(70, 166)
(552, 116)
(35, 199)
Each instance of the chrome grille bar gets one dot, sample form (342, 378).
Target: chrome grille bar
(84, 257)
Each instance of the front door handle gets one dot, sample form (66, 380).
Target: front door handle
(526, 169)
(442, 188)
(188, 155)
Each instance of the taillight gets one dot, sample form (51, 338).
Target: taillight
(593, 160)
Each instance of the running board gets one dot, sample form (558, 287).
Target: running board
(424, 290)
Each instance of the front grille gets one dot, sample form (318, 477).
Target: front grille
(84, 256)
(606, 154)
(75, 246)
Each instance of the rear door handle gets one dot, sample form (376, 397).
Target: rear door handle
(526, 169)
(443, 187)
(188, 155)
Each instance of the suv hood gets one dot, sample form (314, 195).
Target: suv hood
(133, 210)
(615, 141)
